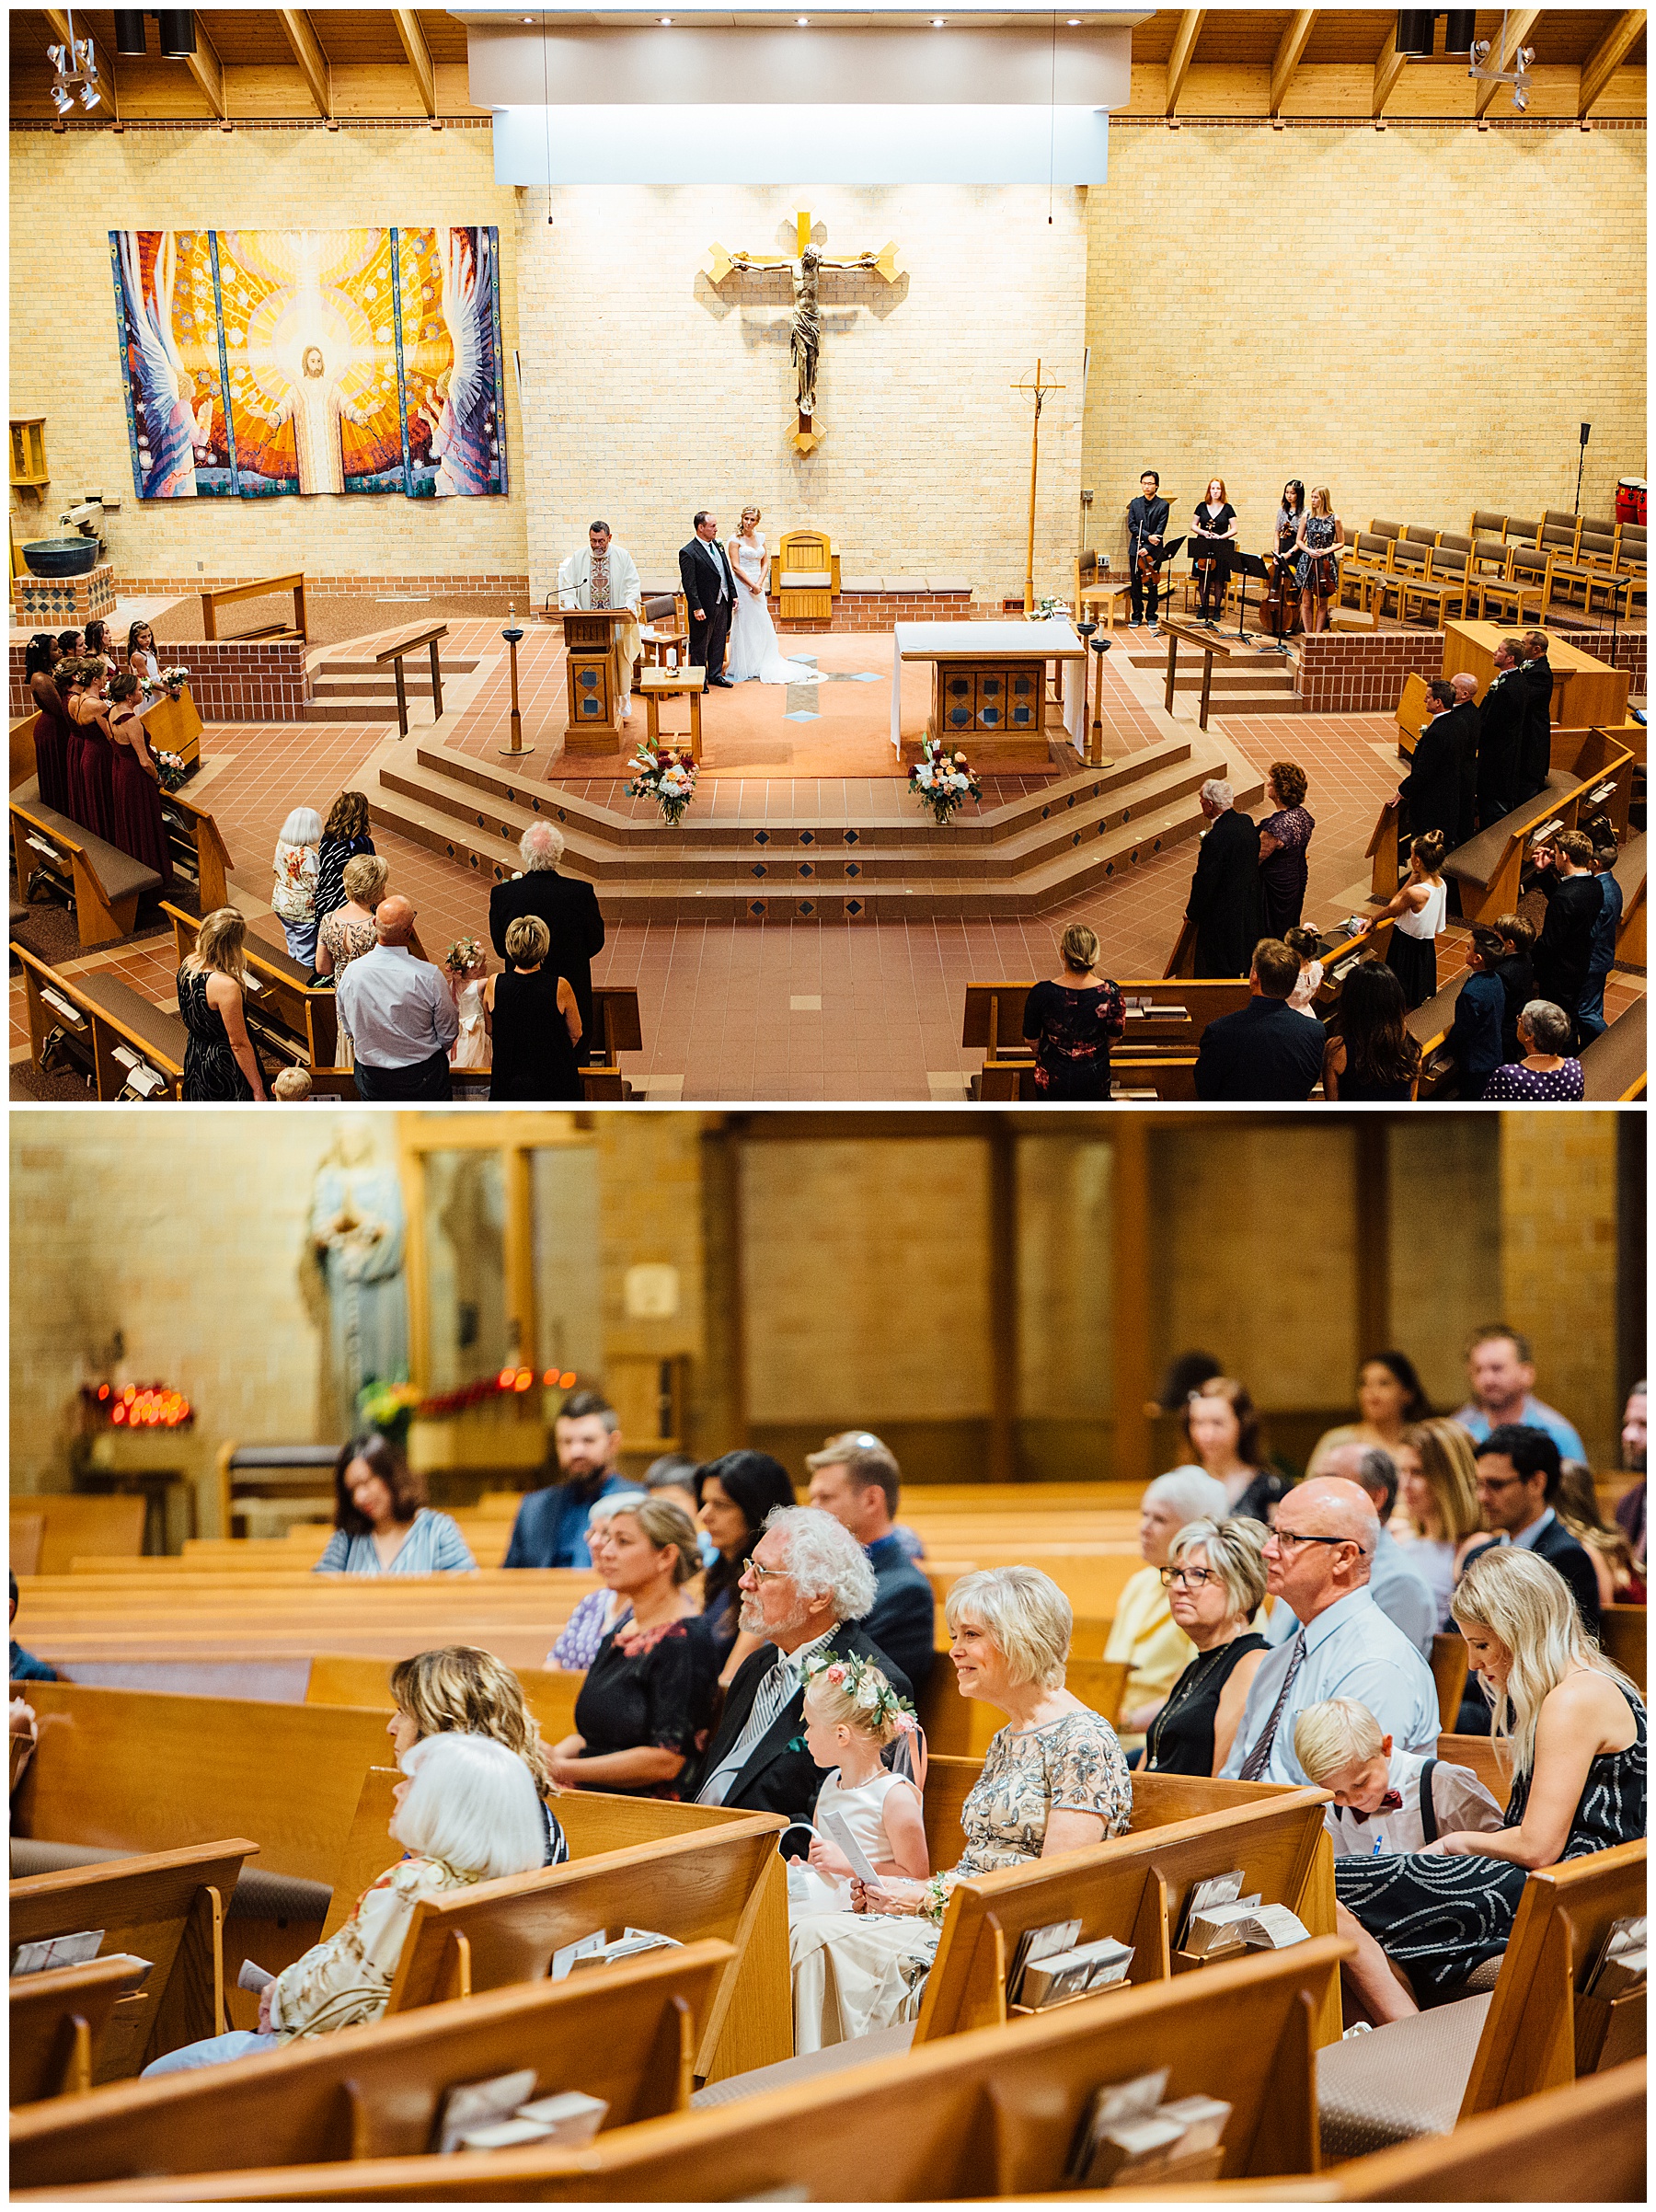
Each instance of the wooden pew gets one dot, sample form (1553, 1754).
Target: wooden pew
(103, 884)
(200, 853)
(166, 1906)
(1135, 1887)
(993, 2112)
(1478, 1753)
(549, 1692)
(1623, 1639)
(1613, 1065)
(1593, 772)
(617, 1028)
(1630, 931)
(625, 2032)
(59, 2020)
(28, 1536)
(97, 1024)
(1449, 1673)
(961, 1727)
(1159, 1022)
(71, 1523)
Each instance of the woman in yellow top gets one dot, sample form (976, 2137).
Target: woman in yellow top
(1143, 1631)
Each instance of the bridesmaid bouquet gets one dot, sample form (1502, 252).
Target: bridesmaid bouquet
(170, 769)
(941, 780)
(667, 777)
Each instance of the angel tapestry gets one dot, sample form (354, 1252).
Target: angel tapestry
(261, 362)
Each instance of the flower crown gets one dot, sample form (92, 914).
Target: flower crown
(866, 1685)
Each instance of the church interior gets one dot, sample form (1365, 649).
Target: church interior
(927, 294)
(207, 1778)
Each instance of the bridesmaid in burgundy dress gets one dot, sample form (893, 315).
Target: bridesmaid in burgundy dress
(51, 731)
(138, 827)
(90, 769)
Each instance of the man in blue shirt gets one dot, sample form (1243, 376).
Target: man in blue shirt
(1317, 1559)
(1399, 1590)
(550, 1528)
(856, 1478)
(1502, 1369)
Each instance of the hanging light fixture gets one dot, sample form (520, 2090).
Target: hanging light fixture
(177, 33)
(76, 71)
(129, 32)
(1483, 54)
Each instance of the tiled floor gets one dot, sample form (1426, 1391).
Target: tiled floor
(860, 1012)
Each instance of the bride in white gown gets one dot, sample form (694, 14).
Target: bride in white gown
(753, 655)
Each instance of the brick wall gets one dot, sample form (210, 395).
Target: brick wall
(263, 680)
(1342, 671)
(1629, 652)
(1559, 1263)
(482, 585)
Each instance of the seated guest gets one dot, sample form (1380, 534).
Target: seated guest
(221, 1060)
(1516, 969)
(1474, 1039)
(1143, 1631)
(1222, 1429)
(1630, 1510)
(864, 1440)
(550, 1527)
(382, 1523)
(806, 1590)
(1589, 1012)
(859, 1484)
(345, 837)
(1284, 837)
(1373, 1056)
(1545, 1075)
(25, 1666)
(1317, 1559)
(1437, 1484)
(459, 1690)
(1072, 1020)
(294, 896)
(1575, 899)
(1572, 1727)
(1389, 1395)
(738, 1493)
(1577, 1506)
(1263, 1051)
(1396, 1583)
(1519, 1470)
(567, 905)
(678, 1479)
(600, 1610)
(1215, 1583)
(467, 1812)
(1500, 1368)
(399, 1014)
(642, 1710)
(1419, 911)
(533, 1021)
(1386, 1802)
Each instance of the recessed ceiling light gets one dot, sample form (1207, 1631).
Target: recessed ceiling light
(936, 22)
(801, 21)
(1072, 21)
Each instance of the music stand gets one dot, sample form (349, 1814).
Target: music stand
(1246, 565)
(1161, 560)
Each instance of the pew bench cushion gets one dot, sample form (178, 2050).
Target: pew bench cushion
(1613, 1063)
(120, 876)
(790, 2073)
(1477, 861)
(160, 1031)
(258, 1894)
(1402, 2081)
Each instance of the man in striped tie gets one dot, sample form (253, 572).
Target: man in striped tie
(805, 1589)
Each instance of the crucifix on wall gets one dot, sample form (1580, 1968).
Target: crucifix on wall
(805, 341)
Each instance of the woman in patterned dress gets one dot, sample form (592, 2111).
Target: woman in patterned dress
(1317, 567)
(1072, 1021)
(1284, 835)
(221, 1060)
(1573, 1728)
(346, 931)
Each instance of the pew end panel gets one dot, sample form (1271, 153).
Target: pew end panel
(59, 2020)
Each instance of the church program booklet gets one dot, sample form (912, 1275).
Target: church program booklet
(1218, 1889)
(471, 2105)
(57, 1951)
(839, 1833)
(570, 2118)
(1067, 1974)
(1036, 1943)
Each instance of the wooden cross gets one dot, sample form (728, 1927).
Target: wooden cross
(806, 340)
(1039, 391)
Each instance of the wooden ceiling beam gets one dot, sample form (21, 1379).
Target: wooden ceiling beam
(1388, 70)
(1607, 57)
(419, 56)
(301, 36)
(208, 70)
(1184, 46)
(1519, 25)
(1285, 67)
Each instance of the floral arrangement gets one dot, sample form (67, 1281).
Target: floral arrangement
(390, 1407)
(866, 1687)
(1047, 608)
(464, 955)
(170, 769)
(941, 779)
(175, 677)
(667, 777)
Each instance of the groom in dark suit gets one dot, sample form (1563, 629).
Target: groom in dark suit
(711, 595)
(805, 1589)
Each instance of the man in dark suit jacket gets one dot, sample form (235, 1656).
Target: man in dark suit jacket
(550, 1529)
(1518, 1475)
(1537, 757)
(569, 909)
(1465, 721)
(1224, 890)
(1575, 898)
(856, 1478)
(1268, 1050)
(711, 595)
(1501, 739)
(1431, 788)
(807, 1589)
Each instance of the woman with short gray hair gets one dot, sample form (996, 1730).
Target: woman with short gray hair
(1143, 1631)
(1545, 1075)
(1215, 1581)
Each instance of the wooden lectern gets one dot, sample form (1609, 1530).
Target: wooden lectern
(590, 638)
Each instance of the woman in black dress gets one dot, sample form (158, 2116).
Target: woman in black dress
(1215, 517)
(531, 1015)
(1215, 1581)
(1284, 835)
(1072, 1021)
(643, 1708)
(1222, 1429)
(737, 1492)
(1373, 1055)
(1573, 1728)
(221, 1060)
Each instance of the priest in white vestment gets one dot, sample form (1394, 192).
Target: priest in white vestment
(606, 575)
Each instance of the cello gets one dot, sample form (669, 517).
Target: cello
(1280, 614)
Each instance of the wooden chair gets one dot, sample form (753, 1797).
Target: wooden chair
(59, 2020)
(1487, 523)
(1442, 584)
(166, 1907)
(625, 2032)
(1449, 1672)
(1096, 595)
(805, 576)
(665, 625)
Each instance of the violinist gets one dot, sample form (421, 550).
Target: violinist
(1281, 593)
(1146, 530)
(1210, 556)
(1317, 563)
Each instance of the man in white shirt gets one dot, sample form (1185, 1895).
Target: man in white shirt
(1317, 1559)
(1399, 1589)
(400, 1013)
(606, 575)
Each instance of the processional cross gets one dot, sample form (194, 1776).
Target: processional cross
(806, 339)
(1038, 391)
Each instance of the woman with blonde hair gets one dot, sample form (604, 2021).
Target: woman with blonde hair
(1576, 1504)
(1215, 1583)
(1317, 563)
(1143, 1631)
(346, 931)
(532, 1020)
(1570, 1728)
(754, 656)
(221, 1060)
(1073, 1019)
(460, 1690)
(1437, 1496)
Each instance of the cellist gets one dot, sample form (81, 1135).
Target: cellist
(1278, 615)
(1147, 528)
